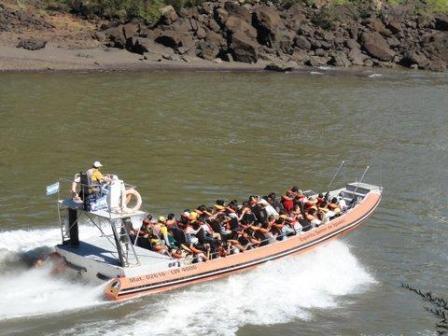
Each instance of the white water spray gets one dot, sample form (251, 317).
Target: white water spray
(278, 292)
(33, 292)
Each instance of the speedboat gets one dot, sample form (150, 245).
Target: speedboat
(131, 271)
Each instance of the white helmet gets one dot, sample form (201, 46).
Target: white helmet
(97, 164)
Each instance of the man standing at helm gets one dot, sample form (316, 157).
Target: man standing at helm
(94, 174)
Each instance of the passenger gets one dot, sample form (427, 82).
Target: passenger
(263, 233)
(295, 218)
(227, 232)
(333, 206)
(300, 198)
(231, 212)
(342, 205)
(258, 210)
(247, 241)
(185, 239)
(206, 236)
(274, 202)
(276, 227)
(320, 200)
(185, 217)
(216, 224)
(328, 214)
(203, 213)
(170, 220)
(143, 235)
(246, 217)
(190, 233)
(235, 246)
(311, 203)
(288, 201)
(179, 236)
(161, 231)
(169, 223)
(311, 217)
(157, 245)
(287, 225)
(218, 207)
(222, 251)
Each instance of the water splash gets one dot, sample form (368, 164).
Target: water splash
(278, 292)
(375, 75)
(34, 291)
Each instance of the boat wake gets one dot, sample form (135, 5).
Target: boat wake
(33, 291)
(278, 292)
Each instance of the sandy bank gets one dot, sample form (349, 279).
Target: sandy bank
(52, 58)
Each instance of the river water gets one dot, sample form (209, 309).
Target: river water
(192, 137)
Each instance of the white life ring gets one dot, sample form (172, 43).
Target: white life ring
(128, 196)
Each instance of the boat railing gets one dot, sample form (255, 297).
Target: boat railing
(76, 195)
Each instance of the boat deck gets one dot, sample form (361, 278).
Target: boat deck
(101, 250)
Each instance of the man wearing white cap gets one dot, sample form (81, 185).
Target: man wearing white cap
(94, 174)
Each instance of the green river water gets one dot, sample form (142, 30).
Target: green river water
(192, 137)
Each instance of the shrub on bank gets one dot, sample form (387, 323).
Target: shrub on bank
(149, 10)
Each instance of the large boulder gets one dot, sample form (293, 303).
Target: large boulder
(316, 61)
(437, 65)
(168, 15)
(412, 58)
(243, 48)
(267, 21)
(116, 36)
(216, 39)
(32, 44)
(130, 29)
(340, 59)
(356, 57)
(207, 50)
(137, 45)
(302, 43)
(236, 25)
(180, 42)
(283, 40)
(377, 46)
(221, 16)
(279, 67)
(352, 44)
(441, 22)
(377, 25)
(170, 38)
(436, 46)
(394, 26)
(235, 9)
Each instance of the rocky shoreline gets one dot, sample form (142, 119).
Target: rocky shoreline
(231, 35)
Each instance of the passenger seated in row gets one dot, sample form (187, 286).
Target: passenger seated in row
(223, 229)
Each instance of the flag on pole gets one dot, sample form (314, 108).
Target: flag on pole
(52, 188)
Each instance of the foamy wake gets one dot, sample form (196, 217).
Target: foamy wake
(278, 292)
(34, 291)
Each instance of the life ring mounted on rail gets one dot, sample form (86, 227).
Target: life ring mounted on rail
(129, 194)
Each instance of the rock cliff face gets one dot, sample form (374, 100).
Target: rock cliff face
(229, 31)
(338, 36)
